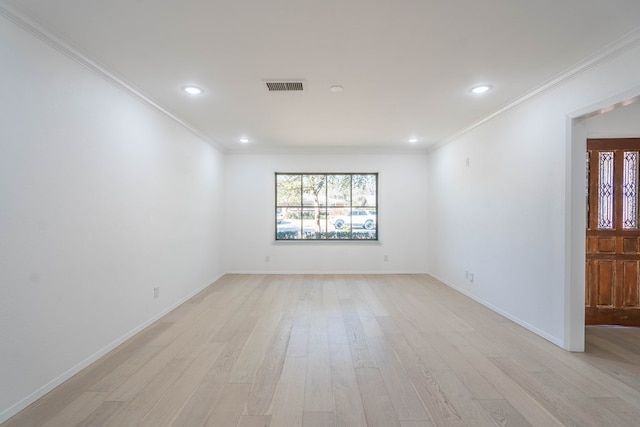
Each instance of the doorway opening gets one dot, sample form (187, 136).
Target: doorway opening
(576, 214)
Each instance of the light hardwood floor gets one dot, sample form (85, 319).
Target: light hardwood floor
(346, 350)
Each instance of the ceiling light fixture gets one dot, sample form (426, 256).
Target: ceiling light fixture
(480, 89)
(413, 140)
(244, 140)
(192, 90)
(336, 88)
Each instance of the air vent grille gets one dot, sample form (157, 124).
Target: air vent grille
(284, 86)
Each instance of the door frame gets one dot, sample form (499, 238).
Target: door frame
(576, 212)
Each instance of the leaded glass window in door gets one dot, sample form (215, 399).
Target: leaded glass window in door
(616, 192)
(605, 189)
(630, 190)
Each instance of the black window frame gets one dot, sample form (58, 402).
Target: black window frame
(346, 233)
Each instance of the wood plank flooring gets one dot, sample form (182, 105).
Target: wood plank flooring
(346, 350)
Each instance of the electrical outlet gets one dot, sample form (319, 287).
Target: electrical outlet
(471, 277)
(156, 292)
(267, 259)
(386, 258)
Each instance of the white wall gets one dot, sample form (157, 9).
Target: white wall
(101, 198)
(509, 217)
(250, 206)
(619, 123)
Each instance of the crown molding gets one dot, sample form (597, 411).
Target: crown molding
(606, 54)
(56, 42)
(329, 150)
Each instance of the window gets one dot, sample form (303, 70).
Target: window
(326, 206)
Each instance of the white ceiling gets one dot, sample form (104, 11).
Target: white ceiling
(406, 65)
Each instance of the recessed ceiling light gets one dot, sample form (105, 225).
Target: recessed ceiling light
(413, 140)
(480, 89)
(244, 140)
(336, 88)
(192, 90)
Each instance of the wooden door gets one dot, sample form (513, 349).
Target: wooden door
(613, 232)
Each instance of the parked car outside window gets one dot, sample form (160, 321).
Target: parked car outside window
(357, 218)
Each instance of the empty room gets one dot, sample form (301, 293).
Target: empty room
(299, 213)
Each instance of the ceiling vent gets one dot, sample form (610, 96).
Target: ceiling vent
(284, 86)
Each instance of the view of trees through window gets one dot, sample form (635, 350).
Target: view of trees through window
(321, 206)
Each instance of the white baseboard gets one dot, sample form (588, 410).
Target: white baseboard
(555, 340)
(367, 272)
(28, 400)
